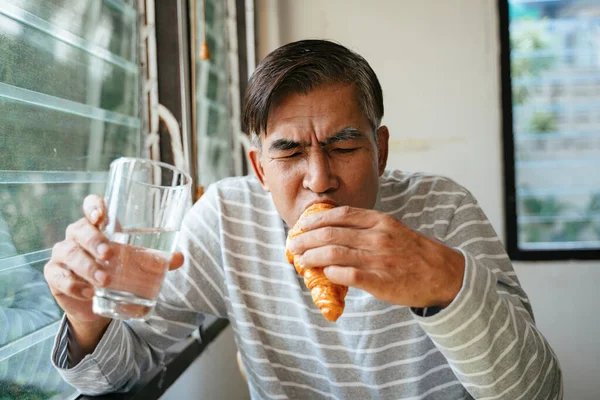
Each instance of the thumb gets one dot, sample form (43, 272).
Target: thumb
(176, 261)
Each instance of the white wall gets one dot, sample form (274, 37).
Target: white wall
(438, 65)
(212, 376)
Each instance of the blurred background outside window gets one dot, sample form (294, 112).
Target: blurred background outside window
(555, 76)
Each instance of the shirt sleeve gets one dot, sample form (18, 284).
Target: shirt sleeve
(129, 349)
(488, 333)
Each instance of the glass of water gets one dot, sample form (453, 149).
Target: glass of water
(145, 202)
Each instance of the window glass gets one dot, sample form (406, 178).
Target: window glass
(214, 130)
(69, 99)
(555, 77)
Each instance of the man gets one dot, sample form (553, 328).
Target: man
(434, 309)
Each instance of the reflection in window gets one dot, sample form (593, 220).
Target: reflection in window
(69, 100)
(555, 74)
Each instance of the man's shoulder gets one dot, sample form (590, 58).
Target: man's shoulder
(236, 191)
(395, 180)
(399, 188)
(237, 205)
(236, 183)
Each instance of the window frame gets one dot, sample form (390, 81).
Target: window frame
(174, 47)
(510, 194)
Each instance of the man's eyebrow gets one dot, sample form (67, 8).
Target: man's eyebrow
(284, 144)
(347, 133)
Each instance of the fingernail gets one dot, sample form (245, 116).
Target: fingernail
(95, 215)
(102, 249)
(88, 293)
(100, 276)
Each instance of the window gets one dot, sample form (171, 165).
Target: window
(72, 99)
(551, 106)
(217, 90)
(69, 97)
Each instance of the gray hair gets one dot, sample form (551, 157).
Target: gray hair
(302, 66)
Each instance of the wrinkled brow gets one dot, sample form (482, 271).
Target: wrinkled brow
(348, 133)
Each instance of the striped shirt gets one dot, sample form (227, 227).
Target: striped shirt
(484, 345)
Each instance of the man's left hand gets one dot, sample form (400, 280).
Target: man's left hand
(377, 253)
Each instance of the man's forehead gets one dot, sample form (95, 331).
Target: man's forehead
(318, 102)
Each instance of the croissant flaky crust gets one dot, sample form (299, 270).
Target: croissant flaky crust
(328, 296)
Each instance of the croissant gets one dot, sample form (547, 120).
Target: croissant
(326, 295)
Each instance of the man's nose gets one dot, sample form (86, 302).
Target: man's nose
(320, 176)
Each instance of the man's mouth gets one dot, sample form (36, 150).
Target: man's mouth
(326, 201)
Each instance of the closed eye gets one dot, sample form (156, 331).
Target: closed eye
(294, 155)
(344, 151)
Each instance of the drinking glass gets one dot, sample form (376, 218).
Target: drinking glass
(145, 202)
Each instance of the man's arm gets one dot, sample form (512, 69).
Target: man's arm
(488, 334)
(483, 325)
(126, 350)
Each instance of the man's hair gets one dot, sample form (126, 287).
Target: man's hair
(302, 66)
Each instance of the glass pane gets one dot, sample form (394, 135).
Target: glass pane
(214, 130)
(25, 299)
(555, 70)
(28, 314)
(34, 60)
(69, 99)
(110, 25)
(216, 85)
(44, 139)
(30, 375)
(37, 214)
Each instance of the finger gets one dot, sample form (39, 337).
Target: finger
(94, 209)
(329, 235)
(347, 276)
(344, 216)
(76, 259)
(331, 255)
(90, 238)
(176, 261)
(64, 282)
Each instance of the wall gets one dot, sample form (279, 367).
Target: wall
(438, 65)
(212, 376)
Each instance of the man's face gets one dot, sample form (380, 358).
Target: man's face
(319, 147)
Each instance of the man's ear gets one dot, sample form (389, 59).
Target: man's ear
(254, 156)
(383, 135)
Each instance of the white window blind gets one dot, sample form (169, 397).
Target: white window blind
(555, 77)
(69, 105)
